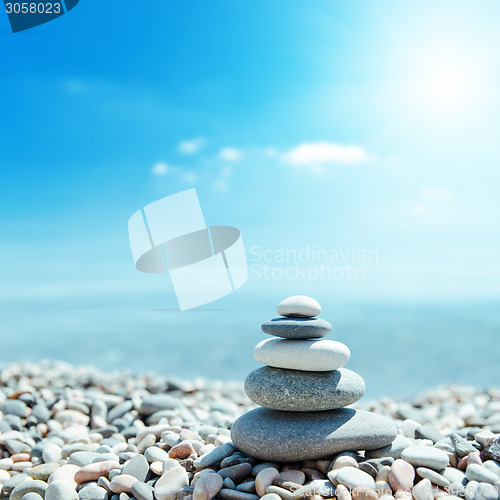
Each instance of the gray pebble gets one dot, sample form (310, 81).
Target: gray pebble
(227, 494)
(292, 390)
(32, 496)
(143, 491)
(157, 402)
(93, 492)
(425, 456)
(476, 472)
(119, 410)
(247, 487)
(393, 449)
(11, 483)
(14, 446)
(433, 476)
(428, 432)
(486, 491)
(35, 486)
(353, 478)
(228, 483)
(214, 457)
(41, 412)
(14, 407)
(155, 454)
(297, 328)
(453, 475)
(82, 458)
(138, 467)
(237, 472)
(60, 490)
(493, 467)
(368, 468)
(461, 445)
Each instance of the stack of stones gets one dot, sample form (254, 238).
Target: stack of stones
(303, 391)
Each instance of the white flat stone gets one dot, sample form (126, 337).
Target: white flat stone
(304, 355)
(299, 306)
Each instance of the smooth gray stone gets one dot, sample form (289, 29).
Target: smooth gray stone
(486, 491)
(92, 492)
(297, 328)
(353, 478)
(14, 446)
(236, 472)
(215, 456)
(476, 472)
(453, 475)
(248, 487)
(368, 468)
(61, 490)
(82, 458)
(107, 431)
(103, 457)
(43, 471)
(428, 432)
(143, 491)
(35, 486)
(4, 427)
(456, 489)
(228, 483)
(185, 493)
(32, 496)
(295, 390)
(137, 467)
(154, 454)
(126, 455)
(425, 456)
(157, 402)
(299, 306)
(227, 494)
(493, 450)
(13, 481)
(433, 476)
(493, 467)
(41, 412)
(289, 436)
(393, 449)
(15, 422)
(461, 445)
(119, 410)
(14, 407)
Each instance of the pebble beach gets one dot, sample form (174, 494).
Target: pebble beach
(80, 433)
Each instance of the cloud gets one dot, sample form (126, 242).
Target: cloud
(190, 178)
(316, 156)
(220, 185)
(191, 146)
(439, 194)
(230, 154)
(160, 168)
(433, 204)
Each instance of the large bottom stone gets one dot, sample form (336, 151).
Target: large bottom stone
(288, 436)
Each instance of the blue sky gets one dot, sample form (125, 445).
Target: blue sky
(329, 124)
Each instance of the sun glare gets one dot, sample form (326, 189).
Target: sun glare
(448, 85)
(445, 84)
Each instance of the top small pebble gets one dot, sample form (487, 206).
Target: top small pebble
(299, 306)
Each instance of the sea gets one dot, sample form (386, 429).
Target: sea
(400, 348)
